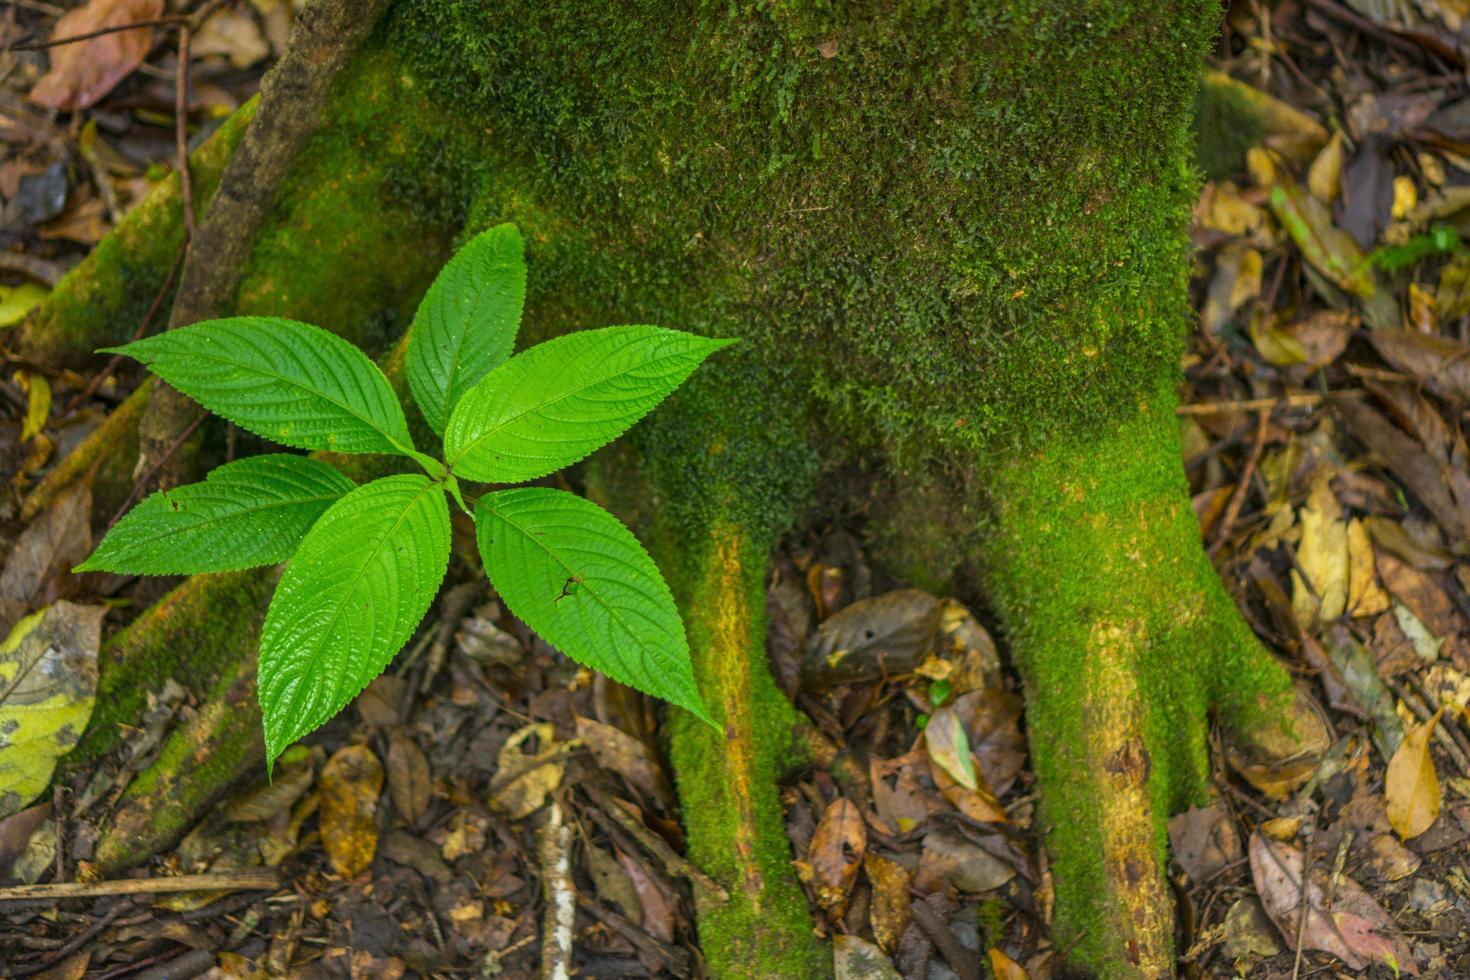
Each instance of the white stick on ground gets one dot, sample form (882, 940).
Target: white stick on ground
(555, 846)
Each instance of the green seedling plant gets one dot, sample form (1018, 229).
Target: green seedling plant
(364, 562)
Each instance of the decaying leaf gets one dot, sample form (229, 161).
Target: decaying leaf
(949, 860)
(1442, 364)
(1354, 928)
(48, 684)
(1002, 967)
(835, 855)
(903, 794)
(1365, 596)
(658, 904)
(1421, 594)
(1330, 250)
(1203, 840)
(949, 746)
(1319, 583)
(1275, 758)
(291, 778)
(1248, 932)
(352, 781)
(1412, 785)
(409, 783)
(82, 73)
(619, 752)
(1324, 178)
(54, 542)
(1236, 281)
(858, 959)
(525, 793)
(1421, 474)
(613, 883)
(38, 403)
(871, 638)
(891, 908)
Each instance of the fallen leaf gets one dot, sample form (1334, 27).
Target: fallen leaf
(1248, 931)
(74, 967)
(1002, 967)
(38, 402)
(949, 746)
(1390, 859)
(1421, 594)
(1365, 596)
(1324, 177)
(294, 771)
(1237, 281)
(858, 959)
(17, 301)
(1420, 473)
(1442, 364)
(352, 781)
(1452, 296)
(948, 860)
(658, 904)
(16, 831)
(1288, 130)
(903, 794)
(46, 550)
(1412, 786)
(1203, 841)
(82, 73)
(233, 34)
(619, 752)
(408, 777)
(1330, 250)
(835, 855)
(890, 908)
(1355, 928)
(970, 647)
(525, 793)
(48, 684)
(613, 883)
(1319, 580)
(871, 638)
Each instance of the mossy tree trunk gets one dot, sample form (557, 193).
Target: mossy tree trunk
(943, 231)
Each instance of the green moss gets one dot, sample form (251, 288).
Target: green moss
(992, 197)
(106, 296)
(1149, 604)
(197, 764)
(191, 635)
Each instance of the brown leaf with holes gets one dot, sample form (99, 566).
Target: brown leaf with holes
(835, 855)
(1354, 928)
(871, 638)
(82, 73)
(890, 908)
(903, 793)
(352, 781)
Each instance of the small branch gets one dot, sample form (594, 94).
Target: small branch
(57, 42)
(1242, 489)
(560, 894)
(264, 880)
(1251, 405)
(673, 863)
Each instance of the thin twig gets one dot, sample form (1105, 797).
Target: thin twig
(1242, 489)
(263, 880)
(81, 939)
(57, 42)
(181, 130)
(673, 863)
(1301, 904)
(1303, 400)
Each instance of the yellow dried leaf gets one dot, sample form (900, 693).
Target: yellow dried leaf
(890, 908)
(525, 793)
(1405, 197)
(1005, 968)
(1324, 179)
(351, 783)
(1365, 596)
(38, 403)
(1322, 556)
(1412, 785)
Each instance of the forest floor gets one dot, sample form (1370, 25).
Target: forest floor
(1332, 484)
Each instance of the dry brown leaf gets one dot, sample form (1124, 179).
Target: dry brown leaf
(409, 782)
(525, 793)
(82, 73)
(1002, 967)
(46, 551)
(1322, 556)
(871, 638)
(1421, 594)
(1423, 476)
(948, 860)
(291, 778)
(233, 34)
(1237, 281)
(1412, 785)
(1203, 841)
(903, 794)
(891, 908)
(1354, 928)
(1365, 596)
(619, 752)
(835, 855)
(992, 719)
(352, 781)
(658, 904)
(613, 883)
(1324, 178)
(1442, 364)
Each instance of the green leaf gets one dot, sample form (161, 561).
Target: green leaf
(293, 383)
(466, 325)
(246, 513)
(578, 577)
(553, 404)
(351, 597)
